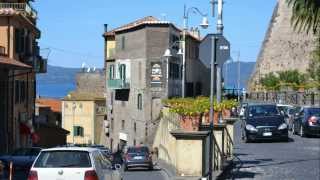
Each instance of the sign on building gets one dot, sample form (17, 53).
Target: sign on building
(156, 74)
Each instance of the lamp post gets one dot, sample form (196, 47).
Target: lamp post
(73, 112)
(167, 55)
(204, 25)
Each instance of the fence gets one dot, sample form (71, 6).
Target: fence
(293, 98)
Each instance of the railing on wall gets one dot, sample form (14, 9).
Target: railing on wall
(293, 98)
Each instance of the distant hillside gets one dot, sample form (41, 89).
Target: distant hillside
(58, 75)
(246, 69)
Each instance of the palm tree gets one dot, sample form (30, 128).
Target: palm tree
(306, 15)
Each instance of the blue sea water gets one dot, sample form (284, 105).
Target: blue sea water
(54, 90)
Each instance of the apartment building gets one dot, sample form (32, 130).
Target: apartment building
(20, 60)
(138, 77)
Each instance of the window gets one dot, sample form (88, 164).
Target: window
(123, 41)
(122, 70)
(174, 71)
(139, 104)
(65, 159)
(123, 125)
(77, 131)
(134, 142)
(112, 123)
(17, 91)
(111, 72)
(135, 127)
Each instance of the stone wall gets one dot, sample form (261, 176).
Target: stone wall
(283, 48)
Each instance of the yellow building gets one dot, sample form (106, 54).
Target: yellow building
(83, 115)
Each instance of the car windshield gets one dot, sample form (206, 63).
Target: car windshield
(135, 150)
(65, 159)
(263, 110)
(314, 112)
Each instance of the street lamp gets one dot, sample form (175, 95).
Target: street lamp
(204, 25)
(167, 54)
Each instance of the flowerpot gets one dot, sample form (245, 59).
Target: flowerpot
(226, 113)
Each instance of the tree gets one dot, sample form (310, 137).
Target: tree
(270, 81)
(292, 77)
(306, 15)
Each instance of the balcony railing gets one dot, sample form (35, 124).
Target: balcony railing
(23, 7)
(118, 84)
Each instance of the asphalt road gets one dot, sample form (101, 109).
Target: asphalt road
(298, 159)
(156, 174)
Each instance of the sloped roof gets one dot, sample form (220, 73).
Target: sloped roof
(139, 22)
(54, 104)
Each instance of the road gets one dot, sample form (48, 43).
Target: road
(156, 174)
(294, 160)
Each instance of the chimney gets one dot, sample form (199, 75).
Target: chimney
(105, 27)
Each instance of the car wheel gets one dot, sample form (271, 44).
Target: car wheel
(301, 132)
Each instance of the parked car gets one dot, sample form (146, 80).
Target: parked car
(138, 156)
(263, 121)
(21, 159)
(76, 163)
(307, 121)
(105, 151)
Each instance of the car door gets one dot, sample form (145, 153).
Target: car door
(298, 120)
(106, 168)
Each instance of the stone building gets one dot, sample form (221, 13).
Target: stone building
(83, 110)
(283, 48)
(139, 77)
(19, 63)
(47, 124)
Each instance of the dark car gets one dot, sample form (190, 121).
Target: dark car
(263, 121)
(21, 159)
(307, 122)
(138, 157)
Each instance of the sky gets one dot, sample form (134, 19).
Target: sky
(72, 29)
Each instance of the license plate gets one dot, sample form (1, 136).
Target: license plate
(138, 157)
(267, 134)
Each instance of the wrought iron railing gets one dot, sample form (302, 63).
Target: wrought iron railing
(218, 156)
(293, 98)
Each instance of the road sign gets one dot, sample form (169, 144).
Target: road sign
(222, 49)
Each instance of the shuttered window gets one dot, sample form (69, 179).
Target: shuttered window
(77, 131)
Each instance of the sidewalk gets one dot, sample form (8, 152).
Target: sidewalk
(170, 171)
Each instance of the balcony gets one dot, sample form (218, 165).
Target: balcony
(25, 8)
(118, 84)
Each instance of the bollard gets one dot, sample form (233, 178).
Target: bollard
(10, 171)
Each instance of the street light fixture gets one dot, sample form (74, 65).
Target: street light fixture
(204, 25)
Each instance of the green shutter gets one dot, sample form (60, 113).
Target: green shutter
(75, 128)
(81, 131)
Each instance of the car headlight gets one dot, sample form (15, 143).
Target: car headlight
(251, 128)
(283, 126)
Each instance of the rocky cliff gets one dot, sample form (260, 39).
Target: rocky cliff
(283, 48)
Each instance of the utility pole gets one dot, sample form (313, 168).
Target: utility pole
(238, 80)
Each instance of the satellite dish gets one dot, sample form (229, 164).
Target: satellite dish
(83, 65)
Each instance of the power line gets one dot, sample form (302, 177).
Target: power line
(72, 52)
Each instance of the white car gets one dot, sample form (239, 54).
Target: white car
(72, 163)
